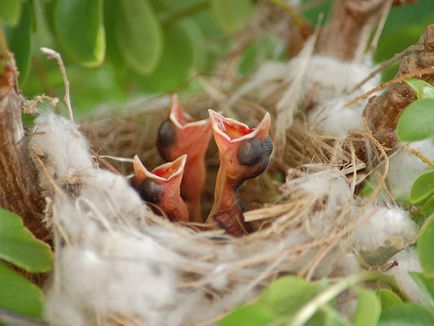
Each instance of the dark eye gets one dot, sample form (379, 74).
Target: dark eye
(254, 151)
(150, 191)
(166, 134)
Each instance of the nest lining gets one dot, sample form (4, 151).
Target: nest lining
(117, 261)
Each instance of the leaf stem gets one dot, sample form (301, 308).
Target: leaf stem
(310, 308)
(422, 157)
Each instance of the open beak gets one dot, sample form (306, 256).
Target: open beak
(162, 187)
(180, 134)
(244, 154)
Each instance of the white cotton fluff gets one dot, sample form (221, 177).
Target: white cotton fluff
(330, 79)
(404, 168)
(330, 190)
(335, 119)
(407, 261)
(64, 153)
(383, 232)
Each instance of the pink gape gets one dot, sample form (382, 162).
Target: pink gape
(162, 187)
(178, 135)
(244, 154)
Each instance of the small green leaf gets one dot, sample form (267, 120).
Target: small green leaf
(428, 207)
(287, 294)
(138, 35)
(230, 14)
(405, 315)
(251, 315)
(10, 11)
(368, 309)
(19, 295)
(417, 121)
(80, 30)
(177, 62)
(422, 88)
(20, 42)
(19, 247)
(425, 284)
(422, 188)
(425, 245)
(388, 298)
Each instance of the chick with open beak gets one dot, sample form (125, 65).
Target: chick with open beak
(244, 154)
(161, 187)
(178, 135)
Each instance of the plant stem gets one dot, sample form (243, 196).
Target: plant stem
(173, 17)
(310, 308)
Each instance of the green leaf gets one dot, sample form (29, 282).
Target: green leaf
(425, 245)
(425, 284)
(138, 35)
(422, 88)
(177, 62)
(287, 294)
(10, 11)
(19, 247)
(251, 315)
(20, 42)
(19, 295)
(80, 30)
(368, 309)
(428, 207)
(230, 14)
(388, 298)
(422, 188)
(405, 315)
(417, 121)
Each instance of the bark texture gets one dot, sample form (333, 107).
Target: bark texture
(19, 190)
(383, 111)
(347, 34)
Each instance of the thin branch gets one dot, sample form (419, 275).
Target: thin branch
(384, 14)
(51, 54)
(385, 64)
(414, 73)
(422, 157)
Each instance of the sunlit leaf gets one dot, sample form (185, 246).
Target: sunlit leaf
(368, 309)
(19, 247)
(19, 295)
(422, 188)
(425, 245)
(230, 14)
(425, 284)
(10, 11)
(80, 30)
(428, 207)
(417, 121)
(388, 298)
(405, 315)
(251, 315)
(20, 42)
(177, 61)
(422, 88)
(138, 35)
(287, 294)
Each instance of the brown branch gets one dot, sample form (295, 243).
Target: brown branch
(383, 111)
(351, 22)
(19, 190)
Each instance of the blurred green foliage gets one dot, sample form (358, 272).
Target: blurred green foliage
(116, 50)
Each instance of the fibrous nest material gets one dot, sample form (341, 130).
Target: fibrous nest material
(117, 262)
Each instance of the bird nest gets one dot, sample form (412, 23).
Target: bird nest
(118, 263)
